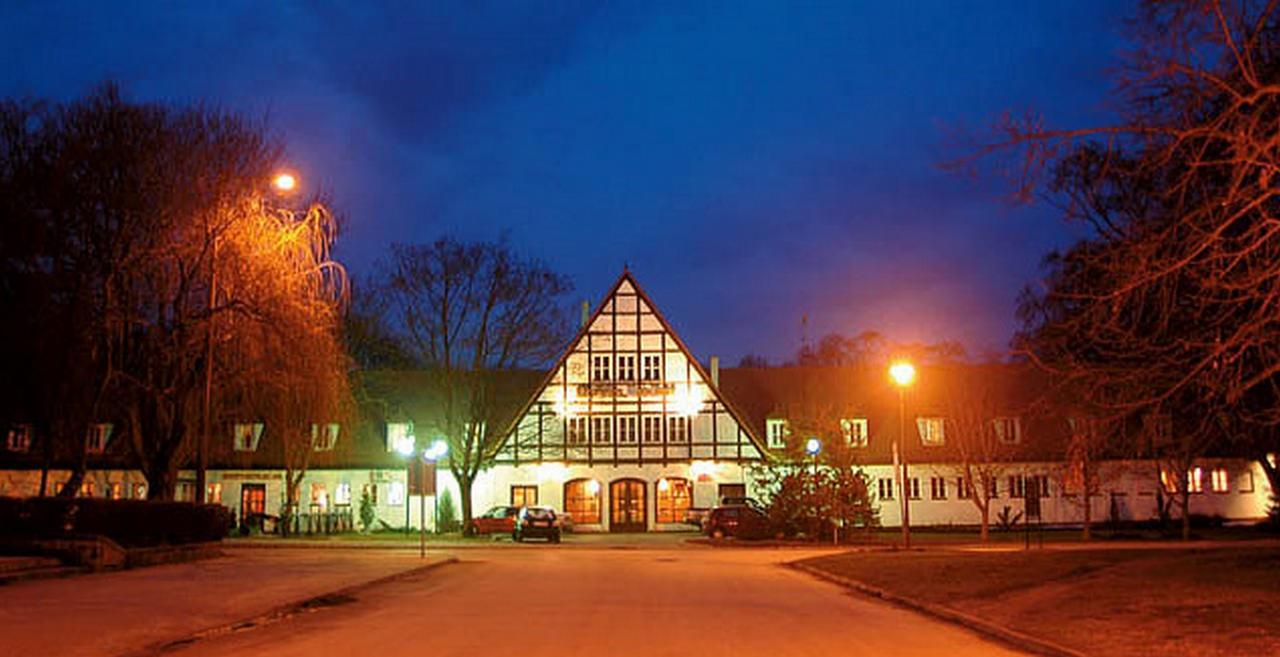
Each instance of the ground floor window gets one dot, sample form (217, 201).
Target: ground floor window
(582, 501)
(675, 496)
(342, 495)
(732, 490)
(523, 495)
(886, 489)
(212, 495)
(395, 493)
(913, 487)
(937, 488)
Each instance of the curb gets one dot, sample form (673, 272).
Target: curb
(283, 611)
(1011, 637)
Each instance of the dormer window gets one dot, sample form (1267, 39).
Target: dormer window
(931, 431)
(19, 438)
(400, 437)
(776, 430)
(855, 431)
(95, 440)
(247, 436)
(324, 437)
(1008, 430)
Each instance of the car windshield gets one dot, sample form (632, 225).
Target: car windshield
(541, 514)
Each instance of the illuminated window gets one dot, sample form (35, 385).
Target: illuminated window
(95, 440)
(602, 429)
(600, 368)
(1168, 481)
(626, 368)
(913, 487)
(247, 436)
(678, 429)
(213, 493)
(937, 488)
(1017, 487)
(319, 496)
(1008, 430)
(652, 367)
(1246, 482)
(395, 493)
(930, 429)
(1195, 480)
(324, 437)
(139, 491)
(627, 428)
(186, 491)
(675, 496)
(19, 439)
(963, 489)
(524, 495)
(582, 501)
(855, 431)
(575, 431)
(886, 488)
(651, 428)
(116, 491)
(342, 494)
(1220, 480)
(86, 487)
(776, 431)
(399, 436)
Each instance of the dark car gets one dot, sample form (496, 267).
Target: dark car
(498, 520)
(743, 501)
(537, 522)
(737, 521)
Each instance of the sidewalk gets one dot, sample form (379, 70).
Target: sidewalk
(126, 611)
(648, 540)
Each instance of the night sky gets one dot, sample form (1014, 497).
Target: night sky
(753, 163)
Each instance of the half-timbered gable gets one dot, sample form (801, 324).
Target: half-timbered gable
(627, 391)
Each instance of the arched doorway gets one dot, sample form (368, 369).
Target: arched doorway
(627, 511)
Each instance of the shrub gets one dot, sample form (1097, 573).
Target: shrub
(448, 514)
(368, 514)
(131, 523)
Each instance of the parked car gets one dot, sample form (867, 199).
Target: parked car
(696, 517)
(744, 501)
(737, 521)
(537, 522)
(498, 520)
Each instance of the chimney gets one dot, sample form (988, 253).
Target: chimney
(715, 371)
(586, 314)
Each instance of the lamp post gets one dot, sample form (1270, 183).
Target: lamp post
(434, 453)
(282, 183)
(903, 374)
(406, 447)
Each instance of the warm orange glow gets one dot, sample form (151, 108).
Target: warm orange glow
(285, 182)
(903, 373)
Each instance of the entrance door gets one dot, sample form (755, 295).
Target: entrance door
(253, 500)
(626, 506)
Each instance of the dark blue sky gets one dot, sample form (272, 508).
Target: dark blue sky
(753, 162)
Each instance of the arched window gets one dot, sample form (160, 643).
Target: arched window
(582, 501)
(675, 496)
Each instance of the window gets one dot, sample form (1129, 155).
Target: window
(886, 488)
(19, 439)
(116, 491)
(1168, 481)
(1220, 480)
(86, 488)
(1017, 487)
(963, 489)
(524, 495)
(937, 488)
(855, 431)
(324, 437)
(186, 491)
(675, 496)
(930, 429)
(342, 494)
(626, 368)
(600, 368)
(652, 367)
(993, 488)
(1195, 480)
(652, 428)
(1246, 482)
(627, 428)
(372, 491)
(602, 429)
(395, 493)
(582, 501)
(575, 431)
(399, 436)
(1008, 430)
(1038, 485)
(776, 430)
(319, 496)
(95, 441)
(248, 435)
(678, 429)
(212, 493)
(913, 488)
(139, 491)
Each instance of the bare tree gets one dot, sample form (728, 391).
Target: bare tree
(973, 402)
(470, 314)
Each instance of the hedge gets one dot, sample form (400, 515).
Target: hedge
(131, 523)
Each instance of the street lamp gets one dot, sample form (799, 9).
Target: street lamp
(903, 374)
(284, 182)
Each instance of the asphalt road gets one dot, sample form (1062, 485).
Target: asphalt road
(606, 602)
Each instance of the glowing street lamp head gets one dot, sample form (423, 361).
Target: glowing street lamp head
(284, 182)
(902, 373)
(405, 446)
(812, 446)
(437, 450)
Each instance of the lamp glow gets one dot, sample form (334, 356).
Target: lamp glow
(405, 446)
(285, 182)
(813, 446)
(593, 487)
(903, 373)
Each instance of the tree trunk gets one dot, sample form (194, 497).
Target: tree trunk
(464, 491)
(985, 510)
(1273, 478)
(1086, 530)
(1184, 503)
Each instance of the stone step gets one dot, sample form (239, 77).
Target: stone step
(39, 573)
(16, 564)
